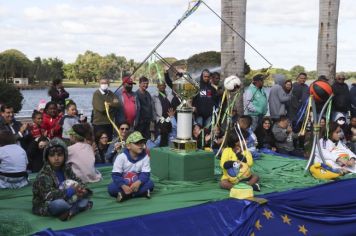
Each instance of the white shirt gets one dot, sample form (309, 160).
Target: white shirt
(332, 152)
(123, 165)
(13, 159)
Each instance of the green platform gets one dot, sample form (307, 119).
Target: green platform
(182, 166)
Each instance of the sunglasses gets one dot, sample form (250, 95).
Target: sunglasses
(124, 128)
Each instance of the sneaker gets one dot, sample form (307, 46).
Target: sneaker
(122, 197)
(148, 194)
(256, 187)
(67, 215)
(89, 205)
(119, 197)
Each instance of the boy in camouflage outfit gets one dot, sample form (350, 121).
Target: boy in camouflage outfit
(56, 190)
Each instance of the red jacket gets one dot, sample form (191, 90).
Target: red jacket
(36, 131)
(52, 126)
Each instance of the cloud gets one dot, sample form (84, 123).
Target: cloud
(286, 35)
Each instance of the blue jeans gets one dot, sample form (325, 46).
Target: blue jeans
(205, 123)
(59, 206)
(256, 120)
(113, 189)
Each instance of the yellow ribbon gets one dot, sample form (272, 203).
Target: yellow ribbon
(220, 109)
(107, 106)
(304, 126)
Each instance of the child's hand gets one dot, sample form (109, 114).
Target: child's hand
(289, 129)
(94, 146)
(127, 189)
(80, 192)
(351, 162)
(117, 146)
(341, 161)
(135, 186)
(23, 128)
(170, 112)
(207, 137)
(237, 149)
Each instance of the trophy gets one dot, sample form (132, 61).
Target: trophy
(185, 88)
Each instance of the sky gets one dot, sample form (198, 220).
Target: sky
(283, 31)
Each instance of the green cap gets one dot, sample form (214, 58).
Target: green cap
(134, 137)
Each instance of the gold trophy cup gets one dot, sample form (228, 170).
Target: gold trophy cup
(185, 88)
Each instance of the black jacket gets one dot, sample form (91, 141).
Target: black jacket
(205, 100)
(342, 97)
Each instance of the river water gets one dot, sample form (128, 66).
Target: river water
(81, 96)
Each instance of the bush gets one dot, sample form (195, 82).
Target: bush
(11, 96)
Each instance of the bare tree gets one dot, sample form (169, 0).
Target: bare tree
(233, 46)
(327, 38)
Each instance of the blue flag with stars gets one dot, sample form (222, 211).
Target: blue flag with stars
(328, 209)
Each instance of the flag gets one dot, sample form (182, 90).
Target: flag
(192, 7)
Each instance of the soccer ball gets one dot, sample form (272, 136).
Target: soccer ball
(130, 178)
(67, 184)
(320, 90)
(232, 82)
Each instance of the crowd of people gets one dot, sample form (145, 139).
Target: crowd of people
(64, 148)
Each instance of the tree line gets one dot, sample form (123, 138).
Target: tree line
(91, 66)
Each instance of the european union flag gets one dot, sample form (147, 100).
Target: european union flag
(328, 209)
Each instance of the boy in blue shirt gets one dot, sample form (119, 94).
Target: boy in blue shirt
(131, 170)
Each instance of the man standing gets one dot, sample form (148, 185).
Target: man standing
(255, 101)
(100, 120)
(162, 101)
(204, 102)
(58, 94)
(353, 99)
(129, 109)
(300, 94)
(342, 97)
(278, 97)
(146, 108)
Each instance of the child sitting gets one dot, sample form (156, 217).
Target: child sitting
(335, 153)
(69, 120)
(13, 162)
(35, 153)
(81, 154)
(131, 170)
(52, 196)
(284, 136)
(265, 136)
(50, 122)
(167, 128)
(245, 122)
(236, 164)
(35, 128)
(116, 146)
(353, 134)
(100, 146)
(340, 119)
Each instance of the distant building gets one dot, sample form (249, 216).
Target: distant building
(20, 81)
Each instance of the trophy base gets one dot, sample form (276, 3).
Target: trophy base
(184, 145)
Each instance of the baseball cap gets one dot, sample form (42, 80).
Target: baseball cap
(127, 80)
(135, 137)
